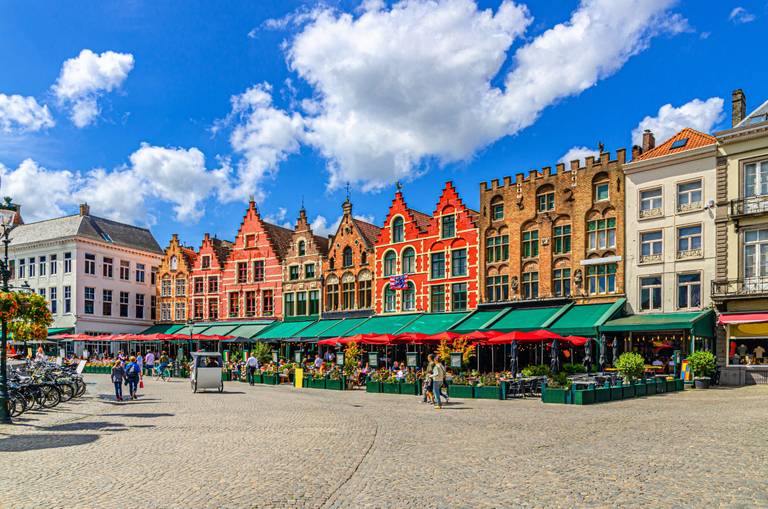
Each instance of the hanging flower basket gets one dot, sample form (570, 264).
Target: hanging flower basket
(9, 306)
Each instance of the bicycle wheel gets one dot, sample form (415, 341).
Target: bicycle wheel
(67, 391)
(79, 388)
(51, 396)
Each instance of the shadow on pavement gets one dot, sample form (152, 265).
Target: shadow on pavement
(85, 426)
(144, 415)
(22, 443)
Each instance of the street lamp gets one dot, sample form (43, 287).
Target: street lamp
(7, 217)
(191, 324)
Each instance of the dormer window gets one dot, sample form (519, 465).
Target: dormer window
(301, 248)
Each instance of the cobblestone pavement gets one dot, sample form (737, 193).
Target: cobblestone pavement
(267, 446)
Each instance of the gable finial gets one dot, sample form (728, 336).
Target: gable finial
(399, 185)
(348, 192)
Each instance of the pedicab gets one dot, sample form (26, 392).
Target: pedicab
(206, 371)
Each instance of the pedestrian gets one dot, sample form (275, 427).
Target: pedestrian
(253, 365)
(132, 372)
(140, 362)
(438, 377)
(40, 356)
(118, 376)
(427, 380)
(164, 360)
(149, 362)
(318, 362)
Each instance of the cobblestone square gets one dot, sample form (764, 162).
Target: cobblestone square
(281, 447)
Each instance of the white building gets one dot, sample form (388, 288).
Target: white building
(97, 274)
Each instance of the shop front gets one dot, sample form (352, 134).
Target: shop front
(746, 362)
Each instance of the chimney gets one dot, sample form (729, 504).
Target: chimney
(85, 209)
(738, 106)
(636, 151)
(649, 142)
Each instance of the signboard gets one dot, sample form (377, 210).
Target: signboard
(297, 356)
(412, 359)
(298, 377)
(685, 370)
(340, 358)
(274, 356)
(80, 367)
(373, 359)
(456, 358)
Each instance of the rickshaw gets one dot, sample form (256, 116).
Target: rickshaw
(206, 371)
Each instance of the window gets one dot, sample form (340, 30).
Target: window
(258, 271)
(364, 294)
(31, 267)
(689, 196)
(448, 229)
(301, 303)
(756, 179)
(531, 244)
(390, 300)
(125, 270)
(90, 299)
(650, 203)
(314, 302)
(348, 294)
(267, 303)
(242, 272)
(11, 268)
(497, 248)
(205, 262)
(346, 257)
(651, 246)
(437, 298)
(53, 294)
(496, 288)
(68, 262)
(67, 299)
(153, 307)
(562, 239)
(180, 311)
(530, 285)
(332, 296)
(174, 263)
(602, 233)
(398, 230)
(198, 285)
(650, 293)
(679, 143)
(408, 297)
(213, 284)
(106, 267)
(332, 263)
(293, 272)
(689, 241)
(601, 279)
(309, 271)
(181, 287)
(409, 261)
(165, 287)
(43, 265)
(390, 262)
(22, 268)
(363, 258)
(459, 297)
(689, 290)
(458, 262)
(124, 303)
(755, 254)
(106, 301)
(561, 282)
(54, 266)
(302, 248)
(438, 265)
(140, 306)
(250, 303)
(197, 309)
(601, 191)
(140, 271)
(153, 276)
(497, 209)
(41, 292)
(234, 305)
(165, 311)
(545, 201)
(213, 309)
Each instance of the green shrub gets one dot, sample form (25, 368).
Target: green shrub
(262, 351)
(702, 363)
(536, 370)
(559, 381)
(631, 365)
(572, 369)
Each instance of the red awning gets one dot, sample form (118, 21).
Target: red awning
(737, 318)
(576, 340)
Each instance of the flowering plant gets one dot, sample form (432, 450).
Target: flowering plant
(9, 306)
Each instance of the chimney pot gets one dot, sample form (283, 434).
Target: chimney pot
(85, 209)
(649, 142)
(738, 107)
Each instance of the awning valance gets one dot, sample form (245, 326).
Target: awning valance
(432, 323)
(383, 324)
(285, 330)
(699, 323)
(736, 318)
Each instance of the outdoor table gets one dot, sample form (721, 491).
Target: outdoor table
(583, 384)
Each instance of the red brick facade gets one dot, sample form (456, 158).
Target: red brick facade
(206, 278)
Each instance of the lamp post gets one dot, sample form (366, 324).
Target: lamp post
(191, 325)
(7, 215)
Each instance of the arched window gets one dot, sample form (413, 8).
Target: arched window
(363, 258)
(332, 263)
(409, 261)
(398, 233)
(545, 198)
(389, 300)
(174, 263)
(390, 261)
(347, 257)
(409, 297)
(302, 248)
(497, 208)
(600, 187)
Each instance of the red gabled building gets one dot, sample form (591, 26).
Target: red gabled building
(205, 302)
(437, 255)
(253, 276)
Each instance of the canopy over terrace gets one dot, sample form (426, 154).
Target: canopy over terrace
(699, 323)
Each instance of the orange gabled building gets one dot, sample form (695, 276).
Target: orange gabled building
(206, 279)
(436, 255)
(173, 281)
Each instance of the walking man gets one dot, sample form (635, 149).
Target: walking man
(149, 361)
(438, 377)
(253, 365)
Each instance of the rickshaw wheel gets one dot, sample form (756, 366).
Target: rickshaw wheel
(194, 386)
(221, 387)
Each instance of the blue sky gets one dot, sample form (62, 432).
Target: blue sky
(129, 105)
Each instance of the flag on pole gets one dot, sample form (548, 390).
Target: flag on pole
(398, 282)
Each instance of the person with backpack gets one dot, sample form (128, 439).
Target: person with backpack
(132, 374)
(118, 376)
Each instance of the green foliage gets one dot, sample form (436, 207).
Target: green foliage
(488, 380)
(536, 370)
(631, 365)
(263, 352)
(460, 380)
(571, 369)
(559, 381)
(702, 363)
(351, 357)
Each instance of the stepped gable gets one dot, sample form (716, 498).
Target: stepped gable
(450, 197)
(279, 237)
(415, 222)
(686, 139)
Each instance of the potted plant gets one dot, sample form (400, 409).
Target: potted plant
(460, 387)
(557, 389)
(632, 366)
(410, 385)
(703, 366)
(389, 383)
(373, 384)
(317, 381)
(335, 380)
(269, 375)
(488, 387)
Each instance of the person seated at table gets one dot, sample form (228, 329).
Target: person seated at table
(400, 373)
(657, 362)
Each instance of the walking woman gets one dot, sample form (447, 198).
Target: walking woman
(132, 373)
(118, 375)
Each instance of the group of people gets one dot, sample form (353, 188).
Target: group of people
(129, 370)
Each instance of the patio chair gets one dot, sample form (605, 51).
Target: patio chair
(515, 389)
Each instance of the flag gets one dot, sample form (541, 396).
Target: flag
(398, 282)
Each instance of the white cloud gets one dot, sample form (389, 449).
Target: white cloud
(696, 114)
(278, 218)
(87, 77)
(120, 195)
(23, 114)
(577, 153)
(740, 15)
(42, 193)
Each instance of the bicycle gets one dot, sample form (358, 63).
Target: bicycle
(163, 374)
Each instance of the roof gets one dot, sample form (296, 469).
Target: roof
(422, 220)
(370, 232)
(322, 244)
(90, 227)
(281, 238)
(695, 139)
(700, 323)
(221, 249)
(758, 116)
(190, 255)
(474, 216)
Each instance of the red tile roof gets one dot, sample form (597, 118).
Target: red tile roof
(696, 139)
(281, 238)
(422, 220)
(322, 244)
(370, 232)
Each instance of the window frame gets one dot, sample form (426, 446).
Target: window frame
(656, 289)
(689, 286)
(679, 208)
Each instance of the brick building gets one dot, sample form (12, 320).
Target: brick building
(555, 234)
(252, 280)
(302, 271)
(173, 282)
(348, 269)
(206, 276)
(437, 254)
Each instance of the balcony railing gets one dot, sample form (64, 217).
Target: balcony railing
(746, 287)
(748, 206)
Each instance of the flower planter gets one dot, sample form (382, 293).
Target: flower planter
(335, 385)
(640, 389)
(488, 392)
(679, 384)
(602, 394)
(269, 379)
(628, 391)
(410, 389)
(461, 391)
(371, 386)
(661, 386)
(650, 387)
(317, 383)
(305, 381)
(617, 393)
(671, 386)
(390, 388)
(701, 383)
(554, 395)
(585, 397)
(258, 378)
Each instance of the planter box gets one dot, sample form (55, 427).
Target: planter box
(335, 385)
(305, 381)
(640, 389)
(679, 384)
(488, 392)
(372, 386)
(390, 388)
(554, 395)
(671, 386)
(602, 394)
(701, 383)
(617, 393)
(410, 389)
(461, 391)
(269, 379)
(258, 378)
(585, 397)
(317, 383)
(661, 386)
(650, 387)
(628, 391)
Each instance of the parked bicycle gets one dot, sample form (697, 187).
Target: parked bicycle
(42, 385)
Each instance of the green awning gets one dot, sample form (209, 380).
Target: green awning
(317, 329)
(479, 320)
(584, 319)
(284, 330)
(524, 319)
(432, 323)
(699, 323)
(163, 328)
(389, 324)
(341, 328)
(248, 330)
(60, 330)
(220, 330)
